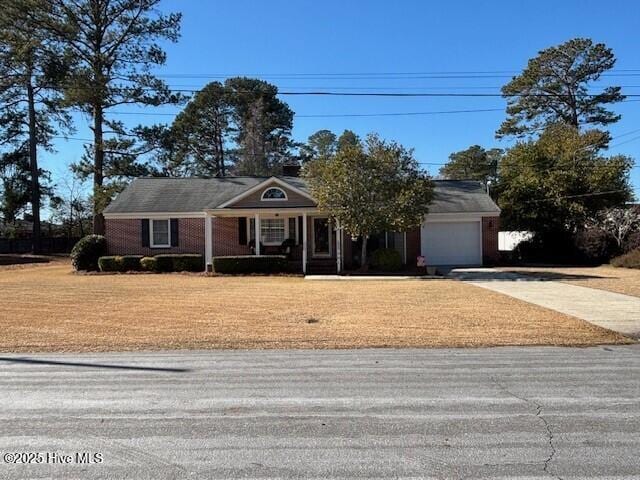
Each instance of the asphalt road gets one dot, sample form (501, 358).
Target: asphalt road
(485, 413)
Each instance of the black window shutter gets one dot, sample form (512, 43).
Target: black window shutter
(175, 234)
(300, 230)
(242, 230)
(145, 232)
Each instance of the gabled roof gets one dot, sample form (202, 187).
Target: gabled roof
(190, 195)
(461, 196)
(275, 181)
(181, 195)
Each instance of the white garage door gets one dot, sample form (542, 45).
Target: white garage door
(451, 243)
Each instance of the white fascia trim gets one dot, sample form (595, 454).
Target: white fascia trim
(154, 215)
(257, 187)
(459, 217)
(244, 212)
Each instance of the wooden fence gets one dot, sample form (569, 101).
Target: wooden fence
(49, 245)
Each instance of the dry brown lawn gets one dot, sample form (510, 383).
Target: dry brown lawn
(605, 277)
(49, 308)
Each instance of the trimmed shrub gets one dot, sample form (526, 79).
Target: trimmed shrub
(85, 253)
(131, 263)
(188, 262)
(632, 242)
(386, 259)
(628, 260)
(185, 262)
(593, 245)
(251, 264)
(110, 264)
(148, 264)
(116, 263)
(552, 247)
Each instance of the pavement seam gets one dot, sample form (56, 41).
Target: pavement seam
(538, 415)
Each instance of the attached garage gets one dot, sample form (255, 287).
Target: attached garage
(462, 225)
(452, 243)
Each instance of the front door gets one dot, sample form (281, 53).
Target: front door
(321, 237)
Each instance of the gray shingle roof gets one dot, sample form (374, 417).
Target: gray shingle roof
(176, 195)
(461, 196)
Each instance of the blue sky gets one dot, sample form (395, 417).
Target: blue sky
(301, 45)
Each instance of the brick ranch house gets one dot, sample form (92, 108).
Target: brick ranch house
(254, 215)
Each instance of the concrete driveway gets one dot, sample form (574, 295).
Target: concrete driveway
(537, 412)
(614, 311)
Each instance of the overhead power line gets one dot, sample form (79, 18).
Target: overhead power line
(338, 115)
(407, 87)
(381, 75)
(430, 94)
(625, 142)
(584, 195)
(330, 93)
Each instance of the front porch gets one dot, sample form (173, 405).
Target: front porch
(311, 242)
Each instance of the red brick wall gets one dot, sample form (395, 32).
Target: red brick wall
(124, 237)
(226, 239)
(490, 228)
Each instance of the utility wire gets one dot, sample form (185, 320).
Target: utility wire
(329, 93)
(594, 194)
(381, 75)
(338, 115)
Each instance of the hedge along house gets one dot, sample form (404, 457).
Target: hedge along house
(232, 216)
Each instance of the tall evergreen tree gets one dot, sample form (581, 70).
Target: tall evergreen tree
(263, 126)
(16, 184)
(474, 163)
(31, 111)
(554, 88)
(321, 144)
(114, 44)
(202, 130)
(348, 138)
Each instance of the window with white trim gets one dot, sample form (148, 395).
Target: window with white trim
(272, 231)
(160, 233)
(274, 193)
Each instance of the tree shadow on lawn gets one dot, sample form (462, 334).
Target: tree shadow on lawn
(91, 365)
(13, 259)
(505, 275)
(547, 275)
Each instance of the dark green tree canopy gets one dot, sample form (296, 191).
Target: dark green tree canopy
(238, 127)
(559, 181)
(348, 138)
(32, 71)
(321, 144)
(114, 46)
(202, 132)
(372, 187)
(554, 88)
(263, 126)
(474, 163)
(15, 184)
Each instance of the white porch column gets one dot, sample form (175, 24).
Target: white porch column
(208, 243)
(338, 247)
(304, 243)
(257, 232)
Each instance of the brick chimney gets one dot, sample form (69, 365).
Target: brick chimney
(291, 170)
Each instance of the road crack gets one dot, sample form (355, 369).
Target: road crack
(547, 426)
